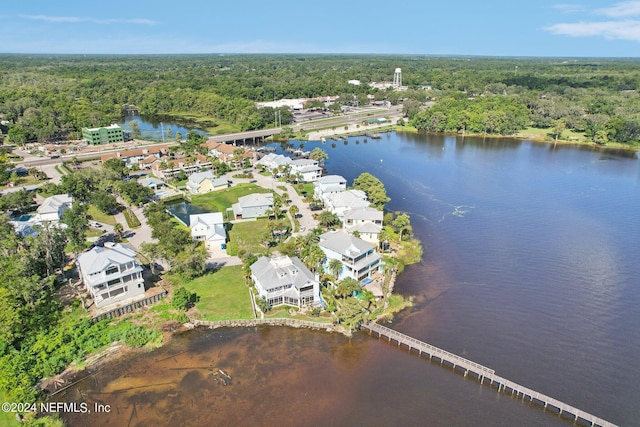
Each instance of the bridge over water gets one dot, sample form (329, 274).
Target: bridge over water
(484, 374)
(252, 136)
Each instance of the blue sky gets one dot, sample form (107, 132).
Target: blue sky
(490, 27)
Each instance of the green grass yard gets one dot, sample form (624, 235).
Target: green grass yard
(223, 295)
(247, 236)
(219, 201)
(98, 215)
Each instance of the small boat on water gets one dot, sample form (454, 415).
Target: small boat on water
(374, 135)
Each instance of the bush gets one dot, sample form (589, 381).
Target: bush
(183, 299)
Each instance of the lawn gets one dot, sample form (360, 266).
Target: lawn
(544, 134)
(219, 201)
(223, 295)
(98, 215)
(307, 189)
(248, 236)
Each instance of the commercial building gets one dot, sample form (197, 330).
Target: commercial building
(103, 135)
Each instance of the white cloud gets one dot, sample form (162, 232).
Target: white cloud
(76, 19)
(624, 28)
(618, 30)
(569, 8)
(625, 9)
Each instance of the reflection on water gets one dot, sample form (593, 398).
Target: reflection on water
(530, 268)
(182, 210)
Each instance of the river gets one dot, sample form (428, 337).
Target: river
(531, 268)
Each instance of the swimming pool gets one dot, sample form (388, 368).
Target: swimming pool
(24, 218)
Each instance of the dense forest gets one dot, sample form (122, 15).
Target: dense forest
(44, 97)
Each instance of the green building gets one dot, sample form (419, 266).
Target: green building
(104, 135)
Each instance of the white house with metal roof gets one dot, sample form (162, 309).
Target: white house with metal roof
(285, 280)
(253, 205)
(53, 207)
(329, 184)
(273, 161)
(209, 228)
(339, 203)
(367, 221)
(359, 258)
(110, 274)
(307, 168)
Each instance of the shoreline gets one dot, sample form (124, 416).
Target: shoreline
(617, 146)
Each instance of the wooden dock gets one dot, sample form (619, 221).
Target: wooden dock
(483, 373)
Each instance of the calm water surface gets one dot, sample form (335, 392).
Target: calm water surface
(531, 268)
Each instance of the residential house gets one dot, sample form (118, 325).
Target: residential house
(209, 228)
(339, 203)
(53, 207)
(285, 280)
(327, 185)
(359, 258)
(366, 221)
(253, 205)
(152, 183)
(307, 169)
(110, 273)
(205, 182)
(273, 161)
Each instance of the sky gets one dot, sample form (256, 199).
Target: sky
(455, 27)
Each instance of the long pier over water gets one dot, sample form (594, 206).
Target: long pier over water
(482, 373)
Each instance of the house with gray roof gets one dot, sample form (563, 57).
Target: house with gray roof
(110, 273)
(209, 228)
(359, 258)
(307, 169)
(53, 207)
(253, 205)
(152, 183)
(285, 281)
(273, 161)
(339, 203)
(329, 184)
(366, 221)
(205, 182)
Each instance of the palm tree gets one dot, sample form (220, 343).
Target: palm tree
(335, 267)
(118, 229)
(293, 210)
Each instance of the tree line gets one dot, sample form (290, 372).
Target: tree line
(52, 97)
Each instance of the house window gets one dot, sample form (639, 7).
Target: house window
(111, 270)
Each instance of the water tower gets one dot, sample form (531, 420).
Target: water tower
(397, 78)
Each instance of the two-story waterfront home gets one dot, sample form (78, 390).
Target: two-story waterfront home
(285, 280)
(339, 203)
(110, 274)
(307, 169)
(366, 221)
(359, 258)
(328, 184)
